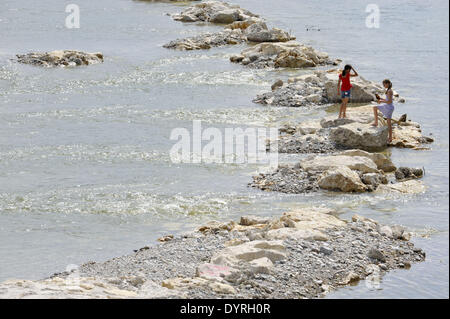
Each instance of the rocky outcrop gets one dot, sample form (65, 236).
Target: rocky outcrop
(215, 12)
(304, 253)
(319, 88)
(256, 32)
(259, 32)
(289, 54)
(61, 58)
(208, 40)
(409, 135)
(314, 136)
(352, 171)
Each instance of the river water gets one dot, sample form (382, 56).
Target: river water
(85, 171)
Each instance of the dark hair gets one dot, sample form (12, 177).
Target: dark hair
(348, 67)
(389, 83)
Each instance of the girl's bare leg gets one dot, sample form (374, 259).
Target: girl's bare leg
(375, 114)
(389, 121)
(344, 107)
(340, 110)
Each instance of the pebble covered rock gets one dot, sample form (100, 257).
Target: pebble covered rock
(289, 179)
(330, 134)
(289, 54)
(208, 40)
(61, 58)
(351, 171)
(215, 12)
(247, 32)
(304, 253)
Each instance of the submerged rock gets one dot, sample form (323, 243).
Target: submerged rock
(289, 54)
(63, 58)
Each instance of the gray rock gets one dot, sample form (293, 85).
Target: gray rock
(406, 173)
(326, 250)
(258, 32)
(62, 58)
(208, 40)
(376, 254)
(360, 136)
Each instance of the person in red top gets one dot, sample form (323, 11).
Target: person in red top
(345, 90)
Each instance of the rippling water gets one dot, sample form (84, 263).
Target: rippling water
(85, 172)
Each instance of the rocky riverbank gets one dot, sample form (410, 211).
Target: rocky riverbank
(302, 254)
(61, 58)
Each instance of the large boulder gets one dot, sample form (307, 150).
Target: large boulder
(382, 161)
(312, 218)
(360, 136)
(323, 163)
(62, 58)
(343, 179)
(259, 32)
(250, 251)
